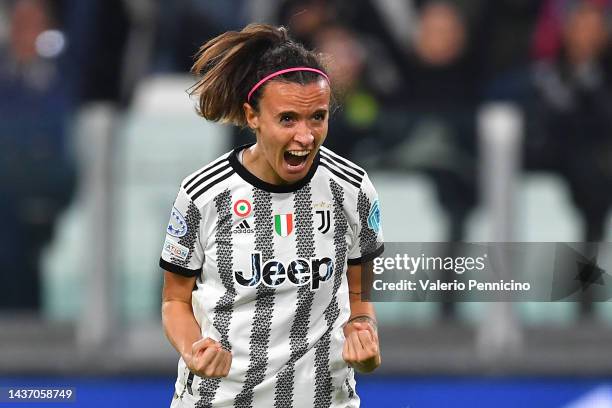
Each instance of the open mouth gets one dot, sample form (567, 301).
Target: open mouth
(295, 158)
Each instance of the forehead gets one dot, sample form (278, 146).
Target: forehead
(280, 96)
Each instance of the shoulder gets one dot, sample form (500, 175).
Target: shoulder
(207, 180)
(343, 171)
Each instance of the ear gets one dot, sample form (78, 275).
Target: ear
(252, 117)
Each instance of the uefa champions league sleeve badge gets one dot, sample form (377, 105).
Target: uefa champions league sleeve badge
(177, 227)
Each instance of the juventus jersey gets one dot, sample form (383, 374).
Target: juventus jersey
(271, 262)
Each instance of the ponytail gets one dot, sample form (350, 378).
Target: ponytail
(232, 63)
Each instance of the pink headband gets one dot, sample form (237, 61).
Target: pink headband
(284, 71)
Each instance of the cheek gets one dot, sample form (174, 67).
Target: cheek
(321, 132)
(274, 140)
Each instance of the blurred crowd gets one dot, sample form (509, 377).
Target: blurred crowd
(410, 76)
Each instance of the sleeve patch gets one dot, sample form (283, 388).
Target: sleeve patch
(177, 227)
(374, 217)
(175, 250)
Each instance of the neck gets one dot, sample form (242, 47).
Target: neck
(255, 162)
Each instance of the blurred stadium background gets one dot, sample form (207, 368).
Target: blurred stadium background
(478, 121)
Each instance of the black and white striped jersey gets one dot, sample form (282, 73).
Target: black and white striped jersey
(270, 262)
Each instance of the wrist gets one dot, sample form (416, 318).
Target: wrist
(186, 357)
(364, 318)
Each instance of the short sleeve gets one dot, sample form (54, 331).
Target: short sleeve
(182, 252)
(368, 241)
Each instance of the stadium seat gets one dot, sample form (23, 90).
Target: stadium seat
(160, 142)
(410, 213)
(544, 213)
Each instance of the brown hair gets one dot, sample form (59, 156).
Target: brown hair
(232, 63)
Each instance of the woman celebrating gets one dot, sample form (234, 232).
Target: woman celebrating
(265, 245)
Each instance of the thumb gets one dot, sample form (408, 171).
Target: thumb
(364, 326)
(202, 345)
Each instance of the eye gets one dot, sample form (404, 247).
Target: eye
(319, 116)
(286, 118)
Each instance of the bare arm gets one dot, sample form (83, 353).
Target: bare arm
(361, 348)
(204, 357)
(358, 308)
(180, 325)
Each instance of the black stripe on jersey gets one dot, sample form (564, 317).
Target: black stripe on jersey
(180, 270)
(339, 159)
(264, 304)
(193, 218)
(339, 174)
(211, 185)
(190, 383)
(323, 380)
(224, 308)
(367, 236)
(331, 161)
(298, 334)
(349, 388)
(205, 169)
(208, 177)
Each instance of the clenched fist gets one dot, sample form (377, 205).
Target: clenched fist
(209, 359)
(361, 350)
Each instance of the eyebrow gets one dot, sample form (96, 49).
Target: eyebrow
(295, 113)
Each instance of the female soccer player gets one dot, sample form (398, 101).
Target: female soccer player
(265, 245)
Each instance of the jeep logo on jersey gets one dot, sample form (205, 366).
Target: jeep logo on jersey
(283, 224)
(274, 273)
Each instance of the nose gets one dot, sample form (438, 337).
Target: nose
(304, 135)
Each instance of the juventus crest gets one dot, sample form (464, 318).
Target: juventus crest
(325, 220)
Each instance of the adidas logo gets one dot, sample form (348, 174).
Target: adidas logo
(243, 228)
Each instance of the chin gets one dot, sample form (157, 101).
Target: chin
(296, 175)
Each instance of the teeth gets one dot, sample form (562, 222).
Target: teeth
(299, 152)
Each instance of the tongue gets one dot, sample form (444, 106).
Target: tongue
(294, 160)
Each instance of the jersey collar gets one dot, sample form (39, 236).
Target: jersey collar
(262, 185)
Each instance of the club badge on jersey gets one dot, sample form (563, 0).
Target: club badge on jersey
(325, 220)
